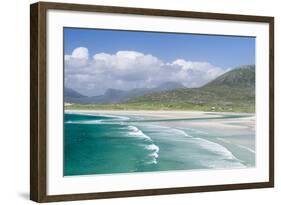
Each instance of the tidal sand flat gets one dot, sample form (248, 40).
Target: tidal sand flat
(107, 142)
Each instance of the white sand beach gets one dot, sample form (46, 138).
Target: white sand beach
(234, 123)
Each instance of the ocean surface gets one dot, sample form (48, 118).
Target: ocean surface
(107, 144)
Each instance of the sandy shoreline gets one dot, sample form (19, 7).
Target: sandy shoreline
(158, 113)
(240, 123)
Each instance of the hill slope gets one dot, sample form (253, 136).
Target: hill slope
(117, 96)
(241, 77)
(71, 95)
(232, 91)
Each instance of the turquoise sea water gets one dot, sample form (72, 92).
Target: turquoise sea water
(105, 144)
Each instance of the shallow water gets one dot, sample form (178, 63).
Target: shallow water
(105, 144)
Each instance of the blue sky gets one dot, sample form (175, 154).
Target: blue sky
(96, 60)
(223, 51)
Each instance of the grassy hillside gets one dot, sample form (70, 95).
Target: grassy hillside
(233, 91)
(242, 77)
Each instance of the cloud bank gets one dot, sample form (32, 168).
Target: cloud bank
(126, 70)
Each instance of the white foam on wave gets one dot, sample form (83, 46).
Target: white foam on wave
(247, 148)
(152, 161)
(223, 156)
(133, 128)
(134, 131)
(98, 115)
(216, 148)
(85, 122)
(152, 148)
(69, 122)
(181, 132)
(154, 155)
(115, 119)
(114, 116)
(222, 153)
(241, 146)
(197, 131)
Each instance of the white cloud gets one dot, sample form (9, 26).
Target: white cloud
(195, 74)
(131, 69)
(80, 53)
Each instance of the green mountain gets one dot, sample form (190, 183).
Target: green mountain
(232, 91)
(243, 76)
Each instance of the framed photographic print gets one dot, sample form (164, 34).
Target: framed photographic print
(134, 102)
